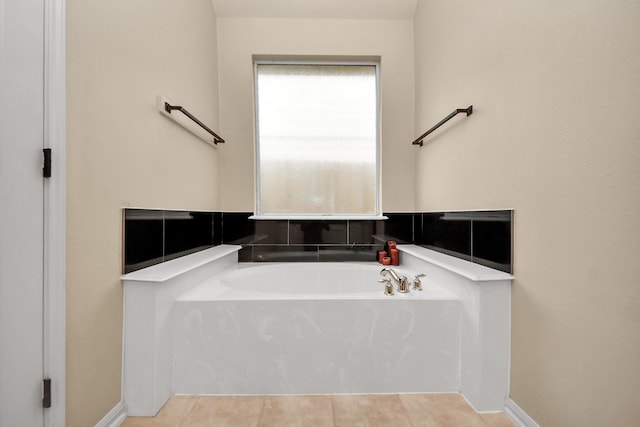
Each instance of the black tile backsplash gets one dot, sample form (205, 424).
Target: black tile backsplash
(237, 229)
(399, 227)
(449, 231)
(317, 232)
(285, 253)
(143, 238)
(217, 228)
(186, 232)
(271, 232)
(482, 237)
(362, 232)
(491, 239)
(154, 236)
(348, 253)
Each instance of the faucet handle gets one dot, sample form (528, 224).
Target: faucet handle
(388, 287)
(417, 283)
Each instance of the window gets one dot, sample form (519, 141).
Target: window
(317, 139)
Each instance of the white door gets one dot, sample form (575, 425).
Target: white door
(21, 212)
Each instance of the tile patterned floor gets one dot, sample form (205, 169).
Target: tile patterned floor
(390, 410)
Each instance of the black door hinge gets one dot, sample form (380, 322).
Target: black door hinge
(46, 168)
(46, 393)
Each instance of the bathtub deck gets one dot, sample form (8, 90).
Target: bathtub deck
(435, 410)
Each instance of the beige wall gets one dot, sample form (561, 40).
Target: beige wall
(556, 136)
(122, 152)
(392, 40)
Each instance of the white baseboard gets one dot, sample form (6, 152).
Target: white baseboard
(517, 415)
(114, 418)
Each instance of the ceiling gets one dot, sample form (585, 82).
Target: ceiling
(332, 9)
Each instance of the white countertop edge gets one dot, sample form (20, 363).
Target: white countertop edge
(170, 269)
(470, 270)
(319, 217)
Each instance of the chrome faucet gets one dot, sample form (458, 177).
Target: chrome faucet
(401, 281)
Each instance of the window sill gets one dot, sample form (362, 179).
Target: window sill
(320, 217)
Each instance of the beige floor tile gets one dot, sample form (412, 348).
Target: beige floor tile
(369, 411)
(498, 419)
(440, 410)
(296, 411)
(135, 422)
(225, 411)
(175, 410)
(144, 422)
(417, 410)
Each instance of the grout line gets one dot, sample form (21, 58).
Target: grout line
(333, 410)
(184, 417)
(259, 419)
(348, 227)
(405, 410)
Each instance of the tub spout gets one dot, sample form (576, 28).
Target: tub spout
(401, 281)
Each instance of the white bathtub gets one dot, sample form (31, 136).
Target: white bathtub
(314, 328)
